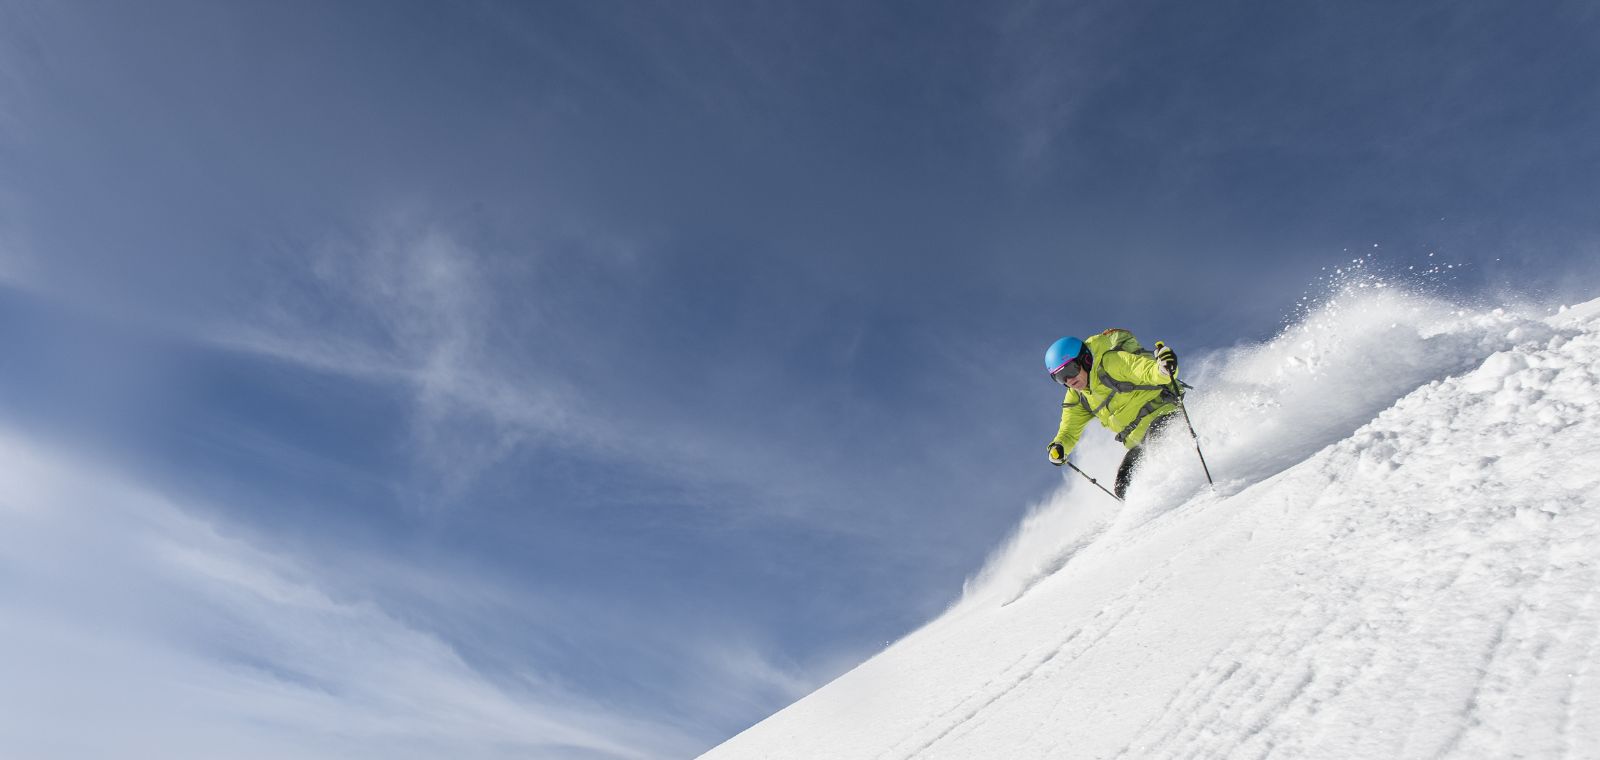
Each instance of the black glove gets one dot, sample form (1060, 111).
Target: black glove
(1167, 359)
(1058, 455)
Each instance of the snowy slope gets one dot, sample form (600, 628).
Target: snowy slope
(1399, 561)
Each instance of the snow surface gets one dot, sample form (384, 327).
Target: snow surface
(1399, 560)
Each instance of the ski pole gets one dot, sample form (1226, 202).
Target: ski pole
(1092, 480)
(1192, 434)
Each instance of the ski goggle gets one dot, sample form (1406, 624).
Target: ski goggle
(1066, 372)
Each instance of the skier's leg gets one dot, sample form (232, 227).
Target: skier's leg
(1130, 460)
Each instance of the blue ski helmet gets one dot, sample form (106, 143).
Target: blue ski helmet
(1061, 352)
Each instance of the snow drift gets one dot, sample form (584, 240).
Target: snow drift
(1399, 560)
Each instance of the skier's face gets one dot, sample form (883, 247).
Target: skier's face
(1079, 381)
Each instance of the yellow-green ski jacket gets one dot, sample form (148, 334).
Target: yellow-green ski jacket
(1127, 391)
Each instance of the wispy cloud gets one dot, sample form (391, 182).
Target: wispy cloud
(407, 304)
(138, 629)
(489, 368)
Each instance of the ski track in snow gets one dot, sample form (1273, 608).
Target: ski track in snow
(1423, 583)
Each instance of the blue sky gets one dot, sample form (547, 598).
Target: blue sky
(632, 368)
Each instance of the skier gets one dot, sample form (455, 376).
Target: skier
(1112, 378)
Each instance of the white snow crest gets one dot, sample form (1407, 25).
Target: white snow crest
(1399, 561)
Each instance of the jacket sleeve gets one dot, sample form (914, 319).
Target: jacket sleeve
(1073, 419)
(1134, 368)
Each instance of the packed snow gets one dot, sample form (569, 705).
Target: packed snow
(1398, 560)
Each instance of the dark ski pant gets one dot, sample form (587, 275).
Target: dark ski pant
(1130, 460)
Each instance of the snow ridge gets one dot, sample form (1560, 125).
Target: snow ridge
(1400, 561)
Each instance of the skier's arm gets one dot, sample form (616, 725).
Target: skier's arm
(1073, 419)
(1134, 368)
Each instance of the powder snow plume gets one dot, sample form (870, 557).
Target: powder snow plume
(1260, 409)
(1398, 560)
